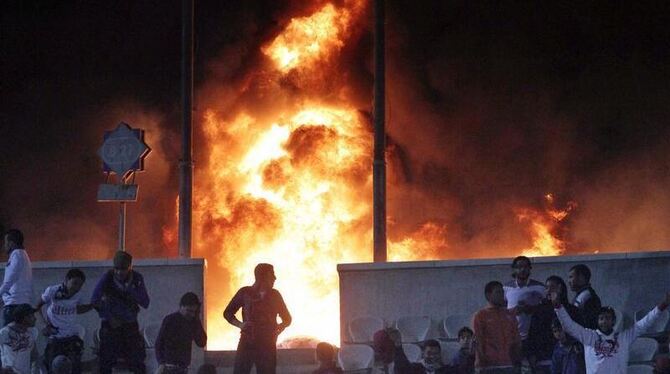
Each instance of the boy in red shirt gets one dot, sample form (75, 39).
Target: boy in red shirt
(497, 340)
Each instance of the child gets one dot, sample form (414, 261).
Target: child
(17, 340)
(605, 350)
(497, 339)
(568, 354)
(325, 354)
(63, 303)
(464, 359)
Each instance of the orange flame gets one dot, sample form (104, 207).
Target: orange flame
(543, 225)
(292, 186)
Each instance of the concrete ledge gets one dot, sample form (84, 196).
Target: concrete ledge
(372, 266)
(108, 263)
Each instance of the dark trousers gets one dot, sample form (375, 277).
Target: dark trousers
(261, 352)
(121, 347)
(70, 347)
(8, 314)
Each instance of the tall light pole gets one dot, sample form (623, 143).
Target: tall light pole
(186, 161)
(379, 163)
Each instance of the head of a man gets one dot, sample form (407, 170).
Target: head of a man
(74, 281)
(325, 353)
(465, 335)
(11, 240)
(189, 305)
(606, 320)
(24, 315)
(432, 353)
(494, 293)
(557, 330)
(521, 268)
(265, 276)
(579, 277)
(123, 264)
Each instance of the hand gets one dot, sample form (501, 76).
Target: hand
(245, 325)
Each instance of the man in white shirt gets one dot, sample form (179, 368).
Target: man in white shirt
(607, 351)
(63, 303)
(17, 340)
(17, 286)
(523, 294)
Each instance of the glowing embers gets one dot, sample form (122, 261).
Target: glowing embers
(309, 39)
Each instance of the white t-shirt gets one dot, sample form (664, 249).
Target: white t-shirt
(17, 286)
(607, 354)
(531, 294)
(62, 312)
(16, 348)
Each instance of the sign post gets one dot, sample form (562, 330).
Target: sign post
(123, 151)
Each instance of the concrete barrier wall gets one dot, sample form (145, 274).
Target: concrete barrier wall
(626, 281)
(166, 281)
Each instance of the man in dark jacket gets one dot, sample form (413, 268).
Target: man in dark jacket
(178, 330)
(586, 299)
(260, 304)
(117, 297)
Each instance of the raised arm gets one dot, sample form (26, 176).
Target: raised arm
(138, 291)
(648, 321)
(584, 336)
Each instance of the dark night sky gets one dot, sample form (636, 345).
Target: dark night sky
(516, 99)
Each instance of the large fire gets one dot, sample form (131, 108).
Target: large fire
(291, 184)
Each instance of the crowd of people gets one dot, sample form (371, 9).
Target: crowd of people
(118, 296)
(531, 327)
(526, 325)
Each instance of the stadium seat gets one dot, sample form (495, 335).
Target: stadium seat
(412, 351)
(454, 323)
(356, 357)
(362, 329)
(642, 350)
(413, 329)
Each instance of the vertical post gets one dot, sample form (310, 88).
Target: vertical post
(122, 226)
(379, 163)
(186, 162)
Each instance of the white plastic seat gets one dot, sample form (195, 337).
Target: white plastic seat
(454, 323)
(640, 369)
(413, 328)
(150, 333)
(449, 350)
(659, 325)
(412, 351)
(356, 357)
(642, 350)
(362, 329)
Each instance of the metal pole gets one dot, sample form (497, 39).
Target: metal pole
(186, 162)
(122, 227)
(379, 163)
